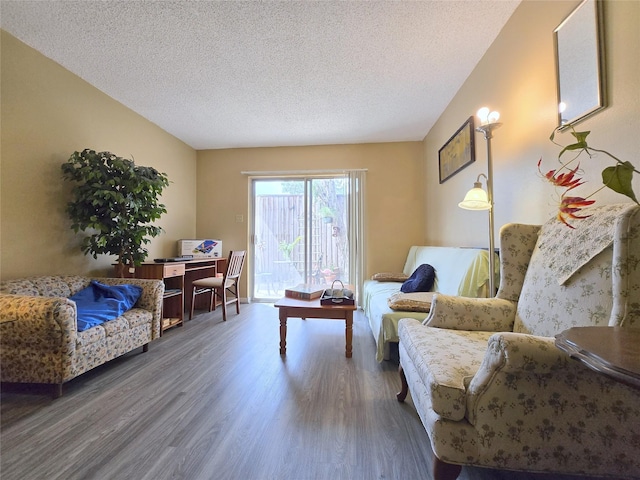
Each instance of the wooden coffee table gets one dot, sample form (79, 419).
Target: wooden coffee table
(294, 308)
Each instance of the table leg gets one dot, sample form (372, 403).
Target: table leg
(349, 332)
(283, 331)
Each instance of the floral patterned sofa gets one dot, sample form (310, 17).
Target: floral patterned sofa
(486, 378)
(39, 341)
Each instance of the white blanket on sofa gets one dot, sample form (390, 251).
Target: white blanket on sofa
(459, 271)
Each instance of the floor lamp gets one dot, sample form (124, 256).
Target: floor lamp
(477, 198)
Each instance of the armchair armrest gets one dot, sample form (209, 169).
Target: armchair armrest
(478, 314)
(517, 365)
(510, 352)
(531, 399)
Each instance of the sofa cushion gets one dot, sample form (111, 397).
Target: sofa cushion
(90, 336)
(446, 361)
(421, 280)
(411, 302)
(99, 303)
(115, 326)
(137, 316)
(390, 277)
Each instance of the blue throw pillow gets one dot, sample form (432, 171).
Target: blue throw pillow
(99, 303)
(421, 280)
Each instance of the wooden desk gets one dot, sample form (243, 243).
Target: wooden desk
(178, 279)
(613, 351)
(290, 307)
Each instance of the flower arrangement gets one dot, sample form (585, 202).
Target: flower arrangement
(617, 177)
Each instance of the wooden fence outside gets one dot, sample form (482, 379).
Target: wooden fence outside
(280, 239)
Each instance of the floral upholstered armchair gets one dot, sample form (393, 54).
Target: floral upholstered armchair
(486, 378)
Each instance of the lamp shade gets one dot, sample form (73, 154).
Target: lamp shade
(476, 199)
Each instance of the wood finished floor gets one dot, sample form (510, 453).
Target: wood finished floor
(215, 400)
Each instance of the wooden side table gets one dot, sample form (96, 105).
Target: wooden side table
(613, 351)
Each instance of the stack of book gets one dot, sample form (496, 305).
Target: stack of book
(304, 291)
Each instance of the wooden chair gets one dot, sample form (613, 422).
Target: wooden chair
(222, 286)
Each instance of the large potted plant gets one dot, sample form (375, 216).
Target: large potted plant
(114, 203)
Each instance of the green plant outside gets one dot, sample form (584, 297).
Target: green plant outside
(326, 212)
(114, 203)
(287, 248)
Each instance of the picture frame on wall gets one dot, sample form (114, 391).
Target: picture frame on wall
(458, 152)
(580, 64)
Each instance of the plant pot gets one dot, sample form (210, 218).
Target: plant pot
(327, 219)
(124, 271)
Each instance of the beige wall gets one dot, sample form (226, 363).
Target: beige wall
(517, 78)
(394, 192)
(46, 114)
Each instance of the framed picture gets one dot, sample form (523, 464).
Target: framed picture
(458, 152)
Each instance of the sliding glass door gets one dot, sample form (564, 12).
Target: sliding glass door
(300, 233)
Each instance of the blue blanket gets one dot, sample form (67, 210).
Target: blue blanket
(99, 303)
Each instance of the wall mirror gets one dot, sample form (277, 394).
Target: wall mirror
(580, 63)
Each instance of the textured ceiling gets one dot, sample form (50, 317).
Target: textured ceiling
(228, 74)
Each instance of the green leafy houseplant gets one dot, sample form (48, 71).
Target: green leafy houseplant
(114, 202)
(617, 177)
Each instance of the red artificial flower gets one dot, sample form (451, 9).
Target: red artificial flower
(563, 179)
(569, 206)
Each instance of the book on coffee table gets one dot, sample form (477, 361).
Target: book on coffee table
(304, 291)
